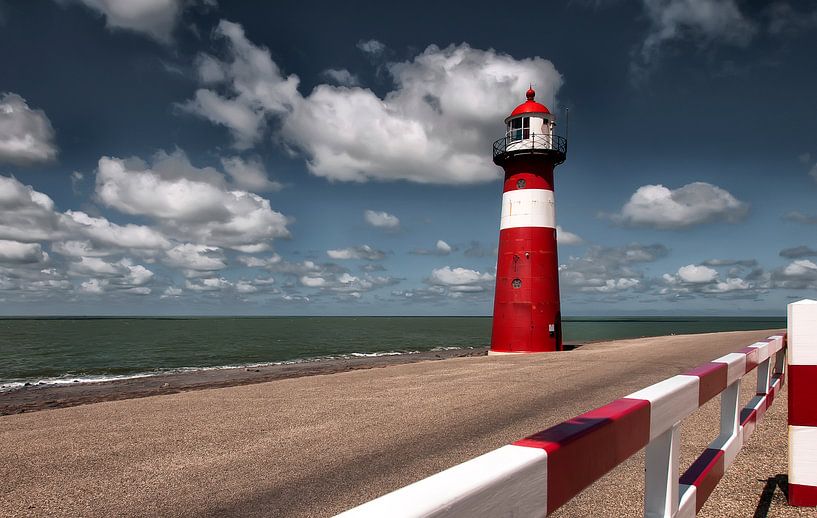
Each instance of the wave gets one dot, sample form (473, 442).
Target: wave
(71, 379)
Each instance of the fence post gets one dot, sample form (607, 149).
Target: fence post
(802, 377)
(661, 475)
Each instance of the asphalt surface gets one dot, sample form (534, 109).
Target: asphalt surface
(317, 445)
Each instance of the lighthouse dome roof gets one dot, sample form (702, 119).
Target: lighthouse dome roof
(530, 106)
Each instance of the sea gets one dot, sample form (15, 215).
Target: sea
(48, 351)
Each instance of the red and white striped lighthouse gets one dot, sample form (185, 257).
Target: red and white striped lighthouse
(527, 316)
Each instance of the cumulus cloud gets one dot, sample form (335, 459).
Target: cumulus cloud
(609, 269)
(371, 46)
(381, 219)
(26, 135)
(154, 18)
(192, 204)
(14, 252)
(208, 284)
(249, 174)
(697, 274)
(26, 214)
(703, 280)
(693, 204)
(357, 252)
(448, 282)
(699, 21)
(342, 77)
(418, 134)
(563, 237)
(440, 248)
(799, 217)
(799, 274)
(102, 231)
(798, 252)
(448, 276)
(745, 263)
(193, 258)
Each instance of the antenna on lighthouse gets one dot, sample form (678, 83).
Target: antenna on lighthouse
(567, 124)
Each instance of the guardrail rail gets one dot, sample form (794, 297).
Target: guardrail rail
(538, 474)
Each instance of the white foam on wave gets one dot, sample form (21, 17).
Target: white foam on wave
(6, 386)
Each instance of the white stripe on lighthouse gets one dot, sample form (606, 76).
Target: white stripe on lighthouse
(528, 208)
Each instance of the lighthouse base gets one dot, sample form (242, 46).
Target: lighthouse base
(514, 353)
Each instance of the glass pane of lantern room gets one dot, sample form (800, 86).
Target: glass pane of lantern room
(526, 127)
(516, 129)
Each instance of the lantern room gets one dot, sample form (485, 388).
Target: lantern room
(529, 119)
(530, 129)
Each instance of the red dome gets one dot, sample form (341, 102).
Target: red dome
(530, 106)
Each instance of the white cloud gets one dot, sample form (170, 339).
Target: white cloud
(615, 285)
(693, 204)
(14, 252)
(697, 274)
(381, 219)
(259, 262)
(342, 77)
(799, 274)
(357, 252)
(313, 281)
(563, 237)
(103, 231)
(26, 135)
(432, 128)
(155, 18)
(450, 282)
(171, 292)
(193, 257)
(26, 214)
(94, 286)
(731, 284)
(256, 86)
(609, 269)
(800, 217)
(123, 272)
(371, 46)
(208, 284)
(442, 247)
(448, 276)
(800, 267)
(245, 287)
(245, 124)
(701, 21)
(249, 174)
(189, 203)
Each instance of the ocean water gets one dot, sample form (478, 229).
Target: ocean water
(61, 350)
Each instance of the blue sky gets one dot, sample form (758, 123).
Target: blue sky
(193, 157)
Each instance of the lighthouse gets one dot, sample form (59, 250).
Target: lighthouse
(527, 315)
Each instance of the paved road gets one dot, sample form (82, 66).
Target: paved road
(315, 446)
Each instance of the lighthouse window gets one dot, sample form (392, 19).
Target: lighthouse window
(516, 283)
(519, 129)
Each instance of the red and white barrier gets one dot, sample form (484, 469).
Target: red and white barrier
(538, 474)
(802, 334)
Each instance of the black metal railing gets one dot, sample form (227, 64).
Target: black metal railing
(535, 144)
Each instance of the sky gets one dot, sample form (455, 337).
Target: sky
(195, 157)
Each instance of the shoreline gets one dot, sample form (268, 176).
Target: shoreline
(33, 398)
